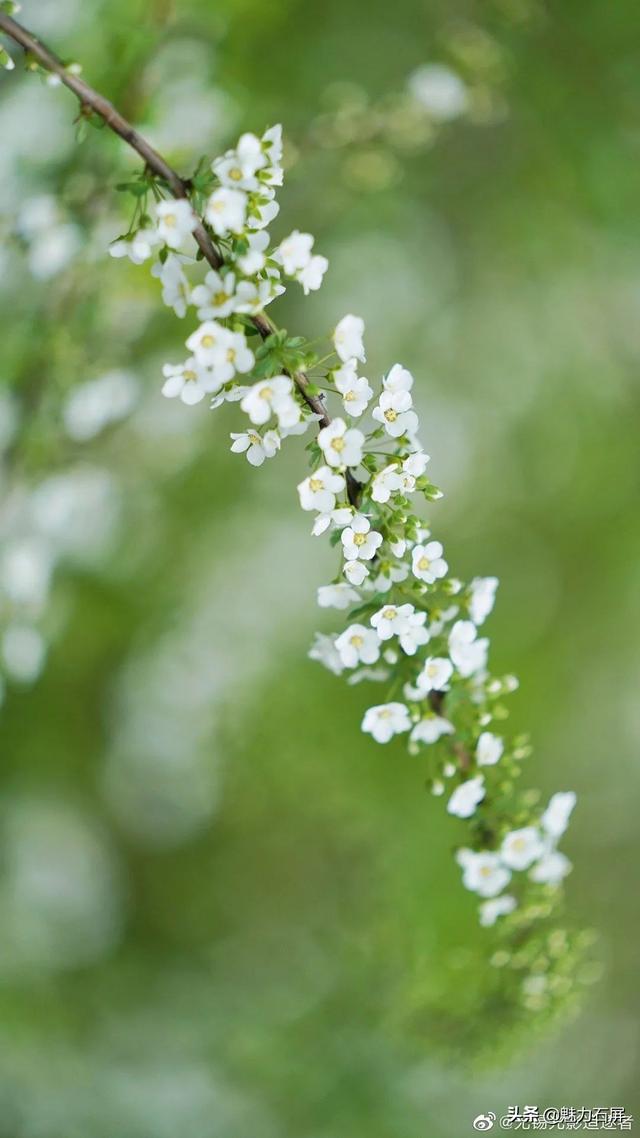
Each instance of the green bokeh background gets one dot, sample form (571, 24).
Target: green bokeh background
(272, 939)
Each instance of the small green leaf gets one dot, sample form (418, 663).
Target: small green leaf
(6, 60)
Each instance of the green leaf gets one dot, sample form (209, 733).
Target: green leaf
(371, 605)
(138, 189)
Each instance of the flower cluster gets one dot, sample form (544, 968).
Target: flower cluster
(415, 629)
(238, 199)
(410, 626)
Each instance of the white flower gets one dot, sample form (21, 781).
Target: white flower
(482, 597)
(231, 354)
(390, 620)
(386, 482)
(358, 645)
(338, 518)
(339, 596)
(175, 222)
(264, 209)
(375, 675)
(355, 572)
(300, 427)
(206, 341)
(498, 907)
(318, 491)
(520, 848)
(389, 576)
(221, 295)
(226, 211)
(355, 391)
(427, 562)
(324, 651)
(347, 338)
(466, 797)
(175, 286)
(414, 466)
(230, 173)
(252, 298)
(551, 869)
(232, 395)
(257, 447)
(414, 634)
(398, 379)
(435, 675)
(395, 414)
(386, 720)
(137, 248)
(341, 446)
(188, 381)
(489, 749)
(251, 152)
(272, 143)
(359, 541)
(272, 397)
(311, 276)
(216, 297)
(439, 91)
(431, 728)
(238, 167)
(468, 654)
(294, 252)
(254, 260)
(483, 873)
(405, 623)
(556, 817)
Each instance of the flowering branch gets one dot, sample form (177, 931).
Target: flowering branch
(411, 626)
(91, 101)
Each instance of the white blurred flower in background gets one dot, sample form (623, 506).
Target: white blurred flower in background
(61, 902)
(78, 511)
(52, 240)
(23, 652)
(440, 91)
(98, 403)
(162, 770)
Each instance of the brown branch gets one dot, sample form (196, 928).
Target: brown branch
(99, 105)
(437, 705)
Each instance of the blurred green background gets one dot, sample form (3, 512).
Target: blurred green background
(223, 911)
